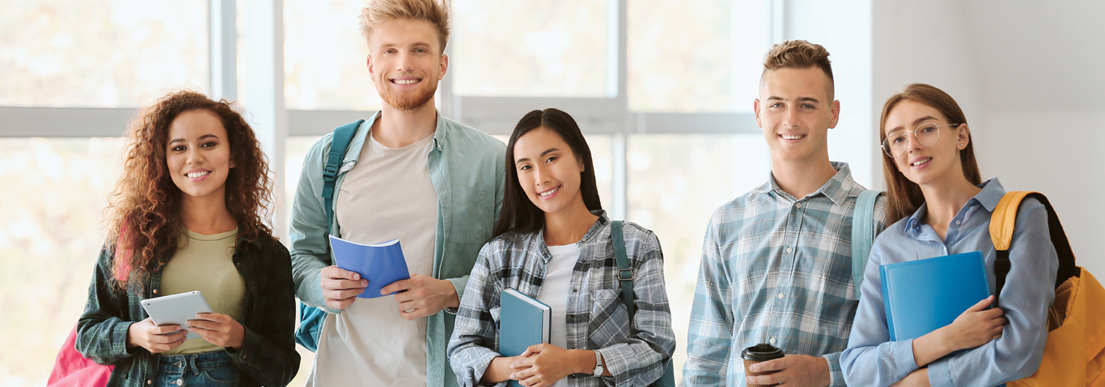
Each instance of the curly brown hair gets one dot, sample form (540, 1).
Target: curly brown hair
(144, 214)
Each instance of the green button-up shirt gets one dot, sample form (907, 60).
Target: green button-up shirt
(467, 171)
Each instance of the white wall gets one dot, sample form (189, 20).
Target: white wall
(844, 28)
(1028, 77)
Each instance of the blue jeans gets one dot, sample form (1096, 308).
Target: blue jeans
(197, 369)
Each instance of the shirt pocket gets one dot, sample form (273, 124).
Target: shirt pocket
(609, 322)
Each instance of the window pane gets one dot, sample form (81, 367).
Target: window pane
(100, 53)
(695, 55)
(675, 182)
(550, 48)
(50, 238)
(324, 57)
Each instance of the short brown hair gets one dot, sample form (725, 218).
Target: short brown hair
(904, 195)
(434, 11)
(799, 54)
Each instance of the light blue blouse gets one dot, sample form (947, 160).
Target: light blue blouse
(873, 360)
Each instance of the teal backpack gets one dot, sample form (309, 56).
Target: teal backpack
(311, 318)
(863, 234)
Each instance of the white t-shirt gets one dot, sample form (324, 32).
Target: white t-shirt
(554, 293)
(387, 195)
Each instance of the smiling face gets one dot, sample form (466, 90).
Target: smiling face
(924, 165)
(549, 172)
(405, 62)
(198, 154)
(795, 111)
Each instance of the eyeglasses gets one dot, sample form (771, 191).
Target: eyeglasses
(896, 145)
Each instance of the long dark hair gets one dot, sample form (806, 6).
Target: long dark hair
(904, 196)
(143, 217)
(519, 214)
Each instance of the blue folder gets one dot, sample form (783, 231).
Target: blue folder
(523, 321)
(380, 264)
(923, 295)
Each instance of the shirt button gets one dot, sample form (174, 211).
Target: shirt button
(575, 290)
(799, 205)
(179, 382)
(155, 291)
(957, 222)
(149, 381)
(780, 296)
(789, 250)
(771, 340)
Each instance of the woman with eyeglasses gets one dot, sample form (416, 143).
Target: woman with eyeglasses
(941, 206)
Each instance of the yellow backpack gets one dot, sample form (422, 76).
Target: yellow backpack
(1075, 350)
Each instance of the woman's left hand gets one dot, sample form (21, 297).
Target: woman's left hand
(542, 365)
(218, 329)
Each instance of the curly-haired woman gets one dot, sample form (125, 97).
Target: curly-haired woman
(188, 214)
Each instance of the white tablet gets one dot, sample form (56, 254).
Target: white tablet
(176, 309)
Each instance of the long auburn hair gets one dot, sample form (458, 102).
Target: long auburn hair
(904, 196)
(519, 214)
(144, 215)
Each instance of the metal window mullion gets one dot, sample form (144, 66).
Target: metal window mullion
(223, 44)
(619, 155)
(264, 36)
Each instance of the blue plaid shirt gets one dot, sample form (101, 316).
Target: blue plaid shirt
(634, 349)
(775, 269)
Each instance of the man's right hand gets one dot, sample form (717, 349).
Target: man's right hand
(341, 287)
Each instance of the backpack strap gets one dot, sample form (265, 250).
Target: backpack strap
(311, 318)
(1002, 224)
(625, 277)
(863, 234)
(625, 274)
(343, 135)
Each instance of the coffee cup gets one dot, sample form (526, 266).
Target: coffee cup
(760, 353)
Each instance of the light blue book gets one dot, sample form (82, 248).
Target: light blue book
(523, 321)
(924, 295)
(380, 264)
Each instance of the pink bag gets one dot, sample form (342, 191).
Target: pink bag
(71, 369)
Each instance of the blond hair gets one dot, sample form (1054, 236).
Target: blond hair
(434, 11)
(799, 54)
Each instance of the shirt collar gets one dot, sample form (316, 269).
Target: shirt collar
(836, 189)
(592, 233)
(359, 139)
(988, 198)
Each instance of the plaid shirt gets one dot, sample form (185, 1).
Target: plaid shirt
(778, 270)
(597, 318)
(268, 356)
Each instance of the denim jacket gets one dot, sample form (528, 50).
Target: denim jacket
(466, 168)
(267, 357)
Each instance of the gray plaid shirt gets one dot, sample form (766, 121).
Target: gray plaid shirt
(597, 318)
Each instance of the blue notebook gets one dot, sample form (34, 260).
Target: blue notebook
(380, 264)
(923, 295)
(523, 321)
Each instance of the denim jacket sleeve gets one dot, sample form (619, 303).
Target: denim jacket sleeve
(102, 328)
(268, 353)
(309, 228)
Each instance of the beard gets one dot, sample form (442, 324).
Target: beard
(409, 101)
